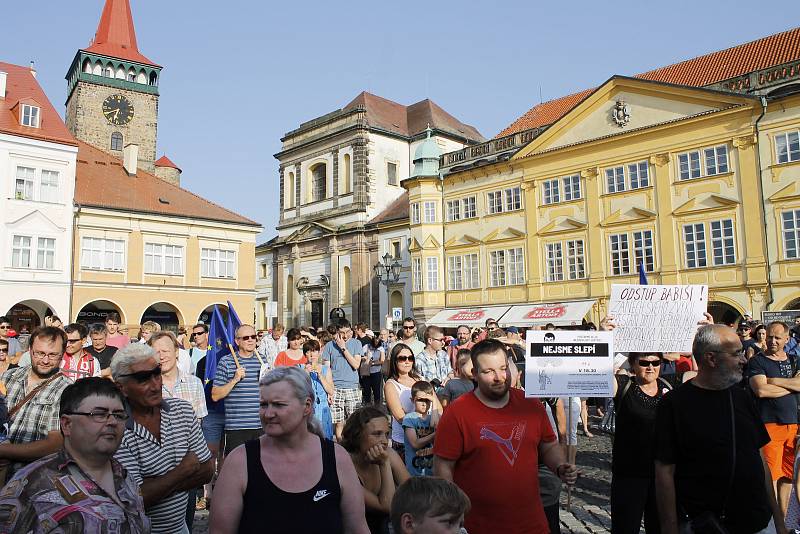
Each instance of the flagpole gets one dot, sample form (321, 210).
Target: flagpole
(569, 431)
(233, 353)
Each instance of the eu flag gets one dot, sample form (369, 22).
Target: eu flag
(217, 344)
(642, 275)
(233, 324)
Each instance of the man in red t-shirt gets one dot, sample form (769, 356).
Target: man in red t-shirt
(490, 442)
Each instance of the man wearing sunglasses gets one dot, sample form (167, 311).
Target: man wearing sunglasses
(93, 493)
(165, 465)
(34, 429)
(409, 336)
(77, 363)
(14, 348)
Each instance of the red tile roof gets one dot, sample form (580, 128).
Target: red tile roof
(410, 120)
(22, 86)
(704, 70)
(116, 35)
(397, 209)
(102, 182)
(164, 161)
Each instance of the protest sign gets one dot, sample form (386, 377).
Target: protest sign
(656, 318)
(784, 316)
(569, 363)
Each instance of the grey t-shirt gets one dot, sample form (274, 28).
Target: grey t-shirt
(456, 387)
(344, 376)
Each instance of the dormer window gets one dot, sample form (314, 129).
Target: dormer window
(29, 116)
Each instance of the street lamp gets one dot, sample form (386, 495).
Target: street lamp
(387, 272)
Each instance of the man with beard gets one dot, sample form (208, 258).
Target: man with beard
(32, 399)
(490, 443)
(81, 488)
(462, 341)
(708, 462)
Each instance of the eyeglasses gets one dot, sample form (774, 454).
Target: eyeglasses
(412, 327)
(144, 376)
(735, 353)
(100, 416)
(4, 350)
(405, 358)
(197, 333)
(439, 339)
(649, 363)
(46, 355)
(4, 327)
(74, 340)
(248, 338)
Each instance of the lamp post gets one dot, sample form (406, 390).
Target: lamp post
(387, 271)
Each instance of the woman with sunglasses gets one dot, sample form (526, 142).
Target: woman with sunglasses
(293, 355)
(636, 398)
(397, 391)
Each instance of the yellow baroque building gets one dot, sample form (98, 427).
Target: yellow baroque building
(699, 183)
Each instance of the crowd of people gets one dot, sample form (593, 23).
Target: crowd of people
(341, 429)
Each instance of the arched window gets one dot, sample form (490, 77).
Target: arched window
(347, 180)
(141, 77)
(87, 66)
(131, 75)
(345, 287)
(98, 69)
(153, 78)
(319, 179)
(109, 72)
(290, 189)
(116, 141)
(120, 73)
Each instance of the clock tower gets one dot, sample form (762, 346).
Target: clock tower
(113, 89)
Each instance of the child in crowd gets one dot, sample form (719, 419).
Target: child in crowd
(419, 428)
(426, 505)
(463, 383)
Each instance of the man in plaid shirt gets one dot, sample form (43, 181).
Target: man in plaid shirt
(35, 430)
(433, 363)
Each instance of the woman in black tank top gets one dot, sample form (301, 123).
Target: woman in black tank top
(262, 486)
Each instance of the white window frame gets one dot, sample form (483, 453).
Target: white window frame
(100, 254)
(615, 179)
(623, 177)
(506, 267)
(790, 229)
(512, 197)
(497, 268)
(572, 187)
(494, 202)
(619, 254)
(703, 162)
(576, 259)
(554, 257)
(21, 251)
(25, 183)
(516, 266)
(217, 263)
(643, 250)
(694, 241)
(551, 192)
(455, 273)
(787, 147)
(723, 242)
(160, 258)
(416, 274)
(471, 271)
(46, 253)
(432, 273)
(48, 186)
(638, 173)
(415, 218)
(453, 210)
(429, 211)
(30, 115)
(469, 208)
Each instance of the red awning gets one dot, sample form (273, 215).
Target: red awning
(558, 313)
(453, 317)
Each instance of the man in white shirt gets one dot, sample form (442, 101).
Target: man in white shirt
(272, 344)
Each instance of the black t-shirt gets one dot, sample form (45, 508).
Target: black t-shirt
(782, 410)
(104, 356)
(693, 432)
(634, 434)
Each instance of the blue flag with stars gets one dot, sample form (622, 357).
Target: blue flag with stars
(217, 344)
(642, 275)
(233, 324)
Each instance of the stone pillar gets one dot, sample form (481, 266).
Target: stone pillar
(278, 288)
(668, 245)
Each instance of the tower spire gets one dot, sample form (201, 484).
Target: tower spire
(116, 34)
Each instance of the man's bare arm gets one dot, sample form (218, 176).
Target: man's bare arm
(26, 452)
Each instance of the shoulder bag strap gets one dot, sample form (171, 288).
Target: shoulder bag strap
(13, 411)
(733, 450)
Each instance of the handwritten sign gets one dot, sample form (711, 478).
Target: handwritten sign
(656, 318)
(569, 363)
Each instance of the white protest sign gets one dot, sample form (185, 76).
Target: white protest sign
(656, 318)
(569, 363)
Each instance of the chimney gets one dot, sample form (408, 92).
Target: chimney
(3, 78)
(33, 70)
(130, 158)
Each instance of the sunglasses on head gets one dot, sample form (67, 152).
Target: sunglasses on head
(144, 376)
(405, 358)
(649, 363)
(246, 338)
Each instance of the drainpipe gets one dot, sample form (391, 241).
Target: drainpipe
(75, 212)
(764, 211)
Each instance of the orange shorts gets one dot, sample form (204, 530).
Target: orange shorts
(779, 452)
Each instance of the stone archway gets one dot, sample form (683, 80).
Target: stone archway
(97, 310)
(165, 314)
(205, 316)
(28, 314)
(722, 312)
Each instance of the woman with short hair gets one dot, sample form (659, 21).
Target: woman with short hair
(290, 479)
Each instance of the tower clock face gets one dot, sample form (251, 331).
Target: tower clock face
(118, 110)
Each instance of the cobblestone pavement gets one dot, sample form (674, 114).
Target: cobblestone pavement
(590, 510)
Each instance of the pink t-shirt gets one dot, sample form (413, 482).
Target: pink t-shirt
(118, 341)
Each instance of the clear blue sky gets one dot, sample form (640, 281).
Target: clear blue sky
(239, 74)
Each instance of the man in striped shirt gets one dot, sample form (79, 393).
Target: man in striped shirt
(163, 447)
(237, 383)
